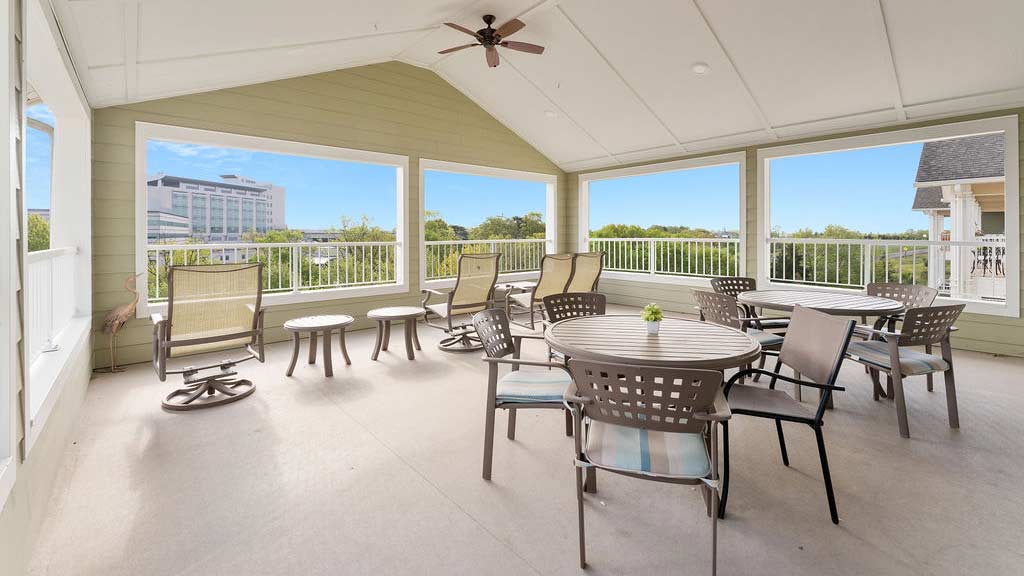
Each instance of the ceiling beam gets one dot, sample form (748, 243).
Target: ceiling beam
(131, 49)
(743, 81)
(894, 75)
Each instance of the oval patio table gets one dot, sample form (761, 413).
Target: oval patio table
(681, 343)
(835, 303)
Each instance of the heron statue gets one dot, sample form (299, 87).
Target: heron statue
(117, 318)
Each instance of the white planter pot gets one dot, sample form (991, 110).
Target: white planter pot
(652, 328)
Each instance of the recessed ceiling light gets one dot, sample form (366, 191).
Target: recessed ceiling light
(701, 68)
(551, 113)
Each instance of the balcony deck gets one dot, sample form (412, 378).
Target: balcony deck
(377, 471)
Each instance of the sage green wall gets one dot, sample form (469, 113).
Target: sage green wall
(995, 334)
(390, 107)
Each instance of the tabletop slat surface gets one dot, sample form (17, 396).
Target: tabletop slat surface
(681, 343)
(322, 322)
(829, 302)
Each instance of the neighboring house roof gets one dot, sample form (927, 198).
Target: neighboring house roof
(929, 198)
(965, 158)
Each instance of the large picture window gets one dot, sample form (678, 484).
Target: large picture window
(671, 222)
(325, 222)
(934, 206)
(473, 209)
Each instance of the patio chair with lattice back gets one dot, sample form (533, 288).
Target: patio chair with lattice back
(517, 389)
(473, 292)
(559, 307)
(891, 354)
(911, 296)
(555, 273)
(210, 307)
(814, 347)
(724, 310)
(736, 285)
(586, 271)
(651, 423)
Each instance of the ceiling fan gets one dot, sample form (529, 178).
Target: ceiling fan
(490, 39)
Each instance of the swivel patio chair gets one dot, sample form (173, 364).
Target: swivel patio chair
(724, 310)
(517, 389)
(921, 327)
(649, 423)
(814, 347)
(586, 271)
(736, 285)
(209, 307)
(473, 292)
(555, 273)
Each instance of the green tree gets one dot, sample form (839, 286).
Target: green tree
(38, 233)
(435, 229)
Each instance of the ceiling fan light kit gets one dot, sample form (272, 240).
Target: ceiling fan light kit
(491, 38)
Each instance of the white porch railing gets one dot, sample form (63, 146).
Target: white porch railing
(288, 267)
(972, 269)
(517, 255)
(49, 297)
(700, 257)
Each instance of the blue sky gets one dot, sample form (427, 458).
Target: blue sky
(37, 160)
(467, 200)
(870, 190)
(700, 198)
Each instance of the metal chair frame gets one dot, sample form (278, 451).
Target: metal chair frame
(461, 337)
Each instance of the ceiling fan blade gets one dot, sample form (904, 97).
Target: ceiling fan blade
(461, 29)
(457, 48)
(492, 57)
(509, 28)
(523, 47)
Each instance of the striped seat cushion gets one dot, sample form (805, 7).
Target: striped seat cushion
(533, 386)
(912, 362)
(766, 339)
(647, 451)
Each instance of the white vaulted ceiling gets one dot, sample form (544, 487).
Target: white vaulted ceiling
(616, 83)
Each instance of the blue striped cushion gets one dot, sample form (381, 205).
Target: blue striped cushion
(647, 451)
(533, 386)
(765, 338)
(912, 362)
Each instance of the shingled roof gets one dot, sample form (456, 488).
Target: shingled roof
(929, 198)
(961, 159)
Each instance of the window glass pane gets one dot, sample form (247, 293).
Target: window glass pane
(38, 175)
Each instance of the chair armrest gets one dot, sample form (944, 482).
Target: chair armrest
(433, 291)
(750, 371)
(720, 411)
(157, 318)
(525, 363)
(528, 336)
(865, 330)
(574, 399)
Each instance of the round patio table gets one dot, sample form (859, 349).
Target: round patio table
(681, 343)
(312, 325)
(837, 304)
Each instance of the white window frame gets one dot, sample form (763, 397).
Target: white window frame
(550, 211)
(145, 131)
(738, 158)
(1006, 124)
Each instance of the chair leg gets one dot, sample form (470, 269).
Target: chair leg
(826, 475)
(931, 381)
(579, 507)
(760, 366)
(901, 403)
(725, 470)
(782, 442)
(511, 423)
(591, 482)
(876, 384)
(488, 442)
(951, 407)
(889, 392)
(568, 423)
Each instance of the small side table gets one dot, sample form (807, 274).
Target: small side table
(313, 325)
(384, 318)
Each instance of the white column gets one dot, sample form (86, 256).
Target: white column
(963, 224)
(936, 255)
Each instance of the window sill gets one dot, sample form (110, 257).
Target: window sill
(695, 281)
(281, 299)
(502, 278)
(48, 374)
(6, 479)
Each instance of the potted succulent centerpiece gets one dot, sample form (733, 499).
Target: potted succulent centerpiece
(653, 316)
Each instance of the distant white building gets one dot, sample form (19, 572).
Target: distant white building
(212, 211)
